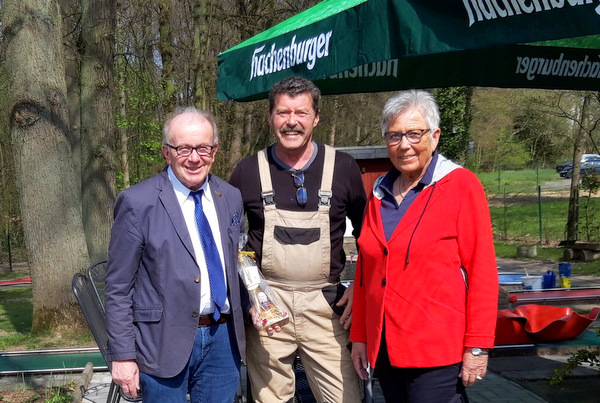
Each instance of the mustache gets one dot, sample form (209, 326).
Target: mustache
(296, 128)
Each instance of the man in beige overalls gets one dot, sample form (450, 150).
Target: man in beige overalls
(297, 195)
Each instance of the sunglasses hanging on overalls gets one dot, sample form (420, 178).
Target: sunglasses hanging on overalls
(301, 195)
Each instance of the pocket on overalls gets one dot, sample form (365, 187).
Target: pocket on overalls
(297, 253)
(296, 236)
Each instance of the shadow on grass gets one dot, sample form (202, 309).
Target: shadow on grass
(16, 309)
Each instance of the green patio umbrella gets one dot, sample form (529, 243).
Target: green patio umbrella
(348, 46)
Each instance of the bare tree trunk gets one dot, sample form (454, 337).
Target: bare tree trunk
(573, 215)
(201, 44)
(238, 131)
(97, 124)
(573, 212)
(49, 201)
(334, 119)
(123, 131)
(71, 14)
(166, 53)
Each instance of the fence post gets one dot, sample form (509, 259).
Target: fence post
(505, 218)
(499, 180)
(539, 189)
(9, 253)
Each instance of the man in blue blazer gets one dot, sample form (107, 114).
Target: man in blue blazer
(166, 332)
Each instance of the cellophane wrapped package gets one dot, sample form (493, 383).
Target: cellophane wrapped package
(261, 296)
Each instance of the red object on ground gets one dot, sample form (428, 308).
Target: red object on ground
(17, 281)
(510, 329)
(540, 323)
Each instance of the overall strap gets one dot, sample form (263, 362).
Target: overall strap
(325, 193)
(267, 194)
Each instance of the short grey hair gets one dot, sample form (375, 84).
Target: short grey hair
(419, 100)
(195, 112)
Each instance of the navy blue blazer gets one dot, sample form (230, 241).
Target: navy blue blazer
(152, 280)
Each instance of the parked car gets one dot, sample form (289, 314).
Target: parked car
(569, 164)
(564, 168)
(591, 167)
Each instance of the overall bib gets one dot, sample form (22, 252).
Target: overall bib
(296, 260)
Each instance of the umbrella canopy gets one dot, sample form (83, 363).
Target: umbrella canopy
(349, 46)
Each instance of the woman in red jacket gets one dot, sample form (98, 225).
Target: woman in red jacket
(426, 286)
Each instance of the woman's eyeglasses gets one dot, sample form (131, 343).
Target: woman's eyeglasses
(413, 136)
(301, 195)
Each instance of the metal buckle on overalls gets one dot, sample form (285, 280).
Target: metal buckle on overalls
(268, 197)
(325, 197)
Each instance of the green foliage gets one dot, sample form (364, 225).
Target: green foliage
(590, 208)
(141, 123)
(583, 356)
(542, 122)
(590, 184)
(539, 130)
(59, 395)
(509, 153)
(455, 111)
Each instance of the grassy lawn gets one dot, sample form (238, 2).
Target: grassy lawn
(517, 182)
(16, 309)
(15, 316)
(522, 222)
(517, 209)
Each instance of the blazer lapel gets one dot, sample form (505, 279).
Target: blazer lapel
(223, 216)
(171, 206)
(221, 207)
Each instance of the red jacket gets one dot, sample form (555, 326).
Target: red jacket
(418, 284)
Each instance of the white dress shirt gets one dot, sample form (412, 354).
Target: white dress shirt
(186, 202)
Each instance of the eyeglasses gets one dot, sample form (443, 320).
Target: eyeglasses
(301, 195)
(413, 136)
(185, 151)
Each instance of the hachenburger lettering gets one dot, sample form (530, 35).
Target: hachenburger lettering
(296, 53)
(386, 68)
(559, 67)
(485, 10)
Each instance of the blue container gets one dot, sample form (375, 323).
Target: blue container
(564, 272)
(549, 280)
(564, 269)
(510, 279)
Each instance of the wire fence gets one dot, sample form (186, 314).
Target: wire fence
(541, 216)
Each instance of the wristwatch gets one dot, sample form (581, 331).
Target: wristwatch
(479, 351)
